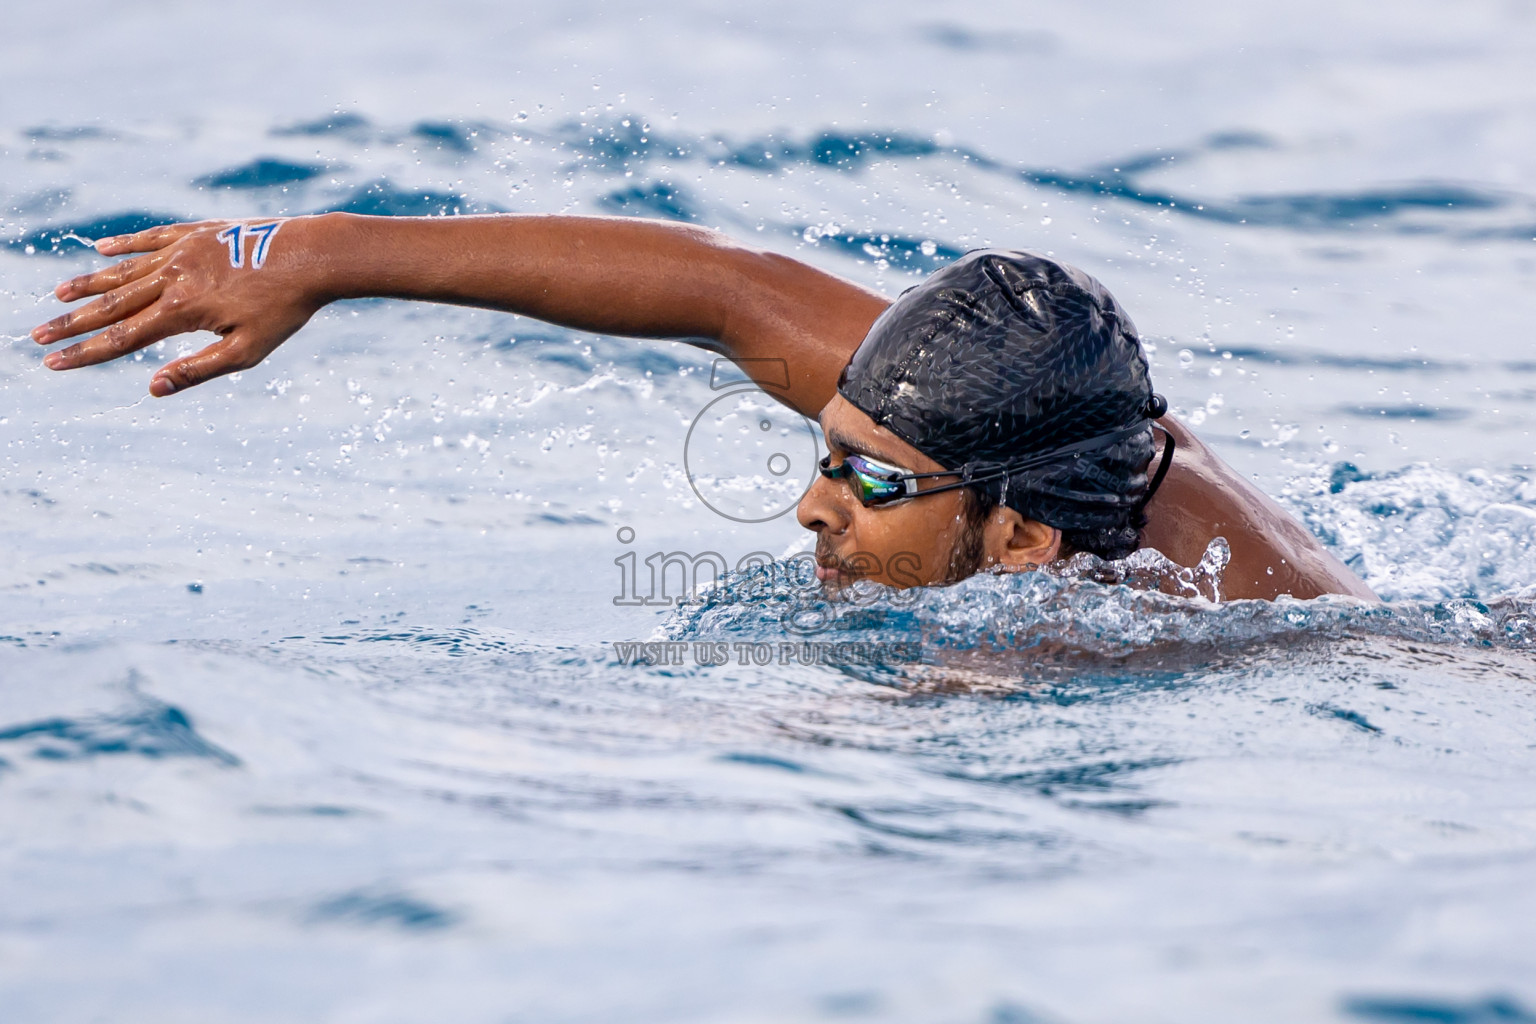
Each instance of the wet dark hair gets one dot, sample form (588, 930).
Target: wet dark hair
(1024, 375)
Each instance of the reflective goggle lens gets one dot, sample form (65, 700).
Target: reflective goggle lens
(876, 483)
(873, 483)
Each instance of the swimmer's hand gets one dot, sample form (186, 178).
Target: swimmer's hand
(249, 282)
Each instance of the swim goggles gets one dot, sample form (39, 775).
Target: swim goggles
(875, 483)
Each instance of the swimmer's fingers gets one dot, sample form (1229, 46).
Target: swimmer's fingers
(114, 276)
(144, 328)
(147, 240)
(238, 351)
(117, 304)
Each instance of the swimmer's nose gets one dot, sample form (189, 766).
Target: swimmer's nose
(822, 507)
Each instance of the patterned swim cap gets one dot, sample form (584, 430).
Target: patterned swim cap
(1023, 373)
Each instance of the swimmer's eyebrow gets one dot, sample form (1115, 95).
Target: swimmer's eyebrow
(842, 442)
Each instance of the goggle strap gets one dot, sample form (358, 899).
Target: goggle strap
(1163, 464)
(969, 474)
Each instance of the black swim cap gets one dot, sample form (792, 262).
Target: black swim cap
(1022, 372)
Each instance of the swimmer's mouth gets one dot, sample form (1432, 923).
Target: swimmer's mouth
(833, 570)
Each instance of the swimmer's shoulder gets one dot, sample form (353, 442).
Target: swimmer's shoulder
(1271, 553)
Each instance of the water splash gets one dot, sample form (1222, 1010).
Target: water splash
(1473, 539)
(1425, 534)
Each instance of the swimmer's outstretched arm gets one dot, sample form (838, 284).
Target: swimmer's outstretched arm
(255, 285)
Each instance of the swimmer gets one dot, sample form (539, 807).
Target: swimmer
(997, 416)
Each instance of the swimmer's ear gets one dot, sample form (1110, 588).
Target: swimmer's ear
(1014, 543)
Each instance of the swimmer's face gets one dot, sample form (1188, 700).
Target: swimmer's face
(917, 541)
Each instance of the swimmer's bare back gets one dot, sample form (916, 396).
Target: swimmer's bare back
(255, 283)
